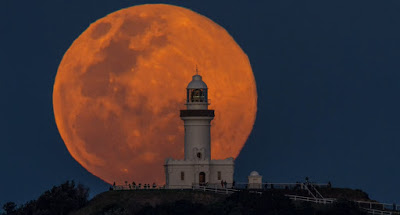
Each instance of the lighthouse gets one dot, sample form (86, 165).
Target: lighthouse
(197, 121)
(197, 167)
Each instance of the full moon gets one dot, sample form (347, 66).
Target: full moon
(121, 84)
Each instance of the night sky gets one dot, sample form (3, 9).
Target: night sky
(328, 83)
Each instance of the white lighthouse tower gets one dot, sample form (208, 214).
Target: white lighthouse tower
(197, 119)
(197, 168)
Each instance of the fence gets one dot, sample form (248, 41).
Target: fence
(287, 186)
(380, 212)
(215, 189)
(378, 206)
(137, 187)
(311, 199)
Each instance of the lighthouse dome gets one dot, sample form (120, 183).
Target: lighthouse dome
(197, 83)
(254, 173)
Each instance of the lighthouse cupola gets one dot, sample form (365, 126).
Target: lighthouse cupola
(197, 94)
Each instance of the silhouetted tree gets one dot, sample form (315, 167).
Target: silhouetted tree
(59, 200)
(9, 208)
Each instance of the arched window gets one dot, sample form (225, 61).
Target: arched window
(199, 155)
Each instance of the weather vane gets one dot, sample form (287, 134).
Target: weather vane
(197, 71)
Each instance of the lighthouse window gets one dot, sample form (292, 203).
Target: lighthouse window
(219, 175)
(199, 155)
(182, 176)
(197, 95)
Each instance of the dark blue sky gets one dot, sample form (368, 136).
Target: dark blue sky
(328, 81)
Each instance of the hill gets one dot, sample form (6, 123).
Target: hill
(131, 202)
(69, 198)
(199, 202)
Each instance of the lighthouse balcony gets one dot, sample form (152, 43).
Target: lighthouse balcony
(197, 101)
(190, 113)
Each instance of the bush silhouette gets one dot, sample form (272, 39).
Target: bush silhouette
(59, 200)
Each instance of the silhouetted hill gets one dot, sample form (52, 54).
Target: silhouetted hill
(345, 193)
(199, 202)
(69, 198)
(113, 202)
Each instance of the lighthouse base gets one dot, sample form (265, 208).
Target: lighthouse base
(183, 174)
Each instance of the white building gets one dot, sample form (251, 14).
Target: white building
(197, 168)
(254, 181)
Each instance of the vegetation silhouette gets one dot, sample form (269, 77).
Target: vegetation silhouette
(59, 200)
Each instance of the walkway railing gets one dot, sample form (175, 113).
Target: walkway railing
(137, 187)
(380, 212)
(378, 205)
(313, 188)
(369, 207)
(215, 189)
(309, 199)
(286, 186)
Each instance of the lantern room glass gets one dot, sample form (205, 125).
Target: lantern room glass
(196, 95)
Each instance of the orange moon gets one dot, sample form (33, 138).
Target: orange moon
(121, 84)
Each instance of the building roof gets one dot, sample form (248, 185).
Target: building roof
(254, 173)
